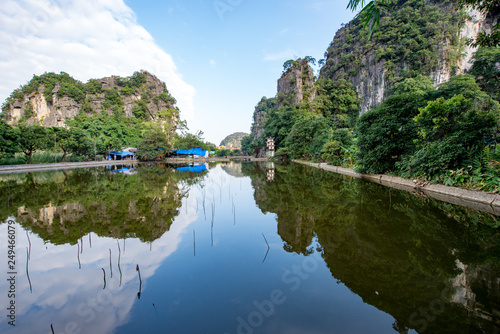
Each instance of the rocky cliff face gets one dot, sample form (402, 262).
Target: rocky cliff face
(33, 107)
(296, 85)
(417, 38)
(261, 115)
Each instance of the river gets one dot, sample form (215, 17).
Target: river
(240, 248)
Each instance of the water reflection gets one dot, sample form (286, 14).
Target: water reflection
(77, 217)
(432, 266)
(62, 206)
(201, 250)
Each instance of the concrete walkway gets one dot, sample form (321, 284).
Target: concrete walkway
(477, 200)
(7, 169)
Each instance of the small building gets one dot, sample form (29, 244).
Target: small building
(121, 156)
(270, 147)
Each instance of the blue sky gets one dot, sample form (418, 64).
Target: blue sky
(218, 57)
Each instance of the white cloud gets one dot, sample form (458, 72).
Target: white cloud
(282, 55)
(284, 31)
(212, 63)
(87, 39)
(62, 291)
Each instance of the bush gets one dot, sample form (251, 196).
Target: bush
(387, 132)
(451, 133)
(340, 149)
(223, 152)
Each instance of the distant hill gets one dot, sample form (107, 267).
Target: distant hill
(233, 140)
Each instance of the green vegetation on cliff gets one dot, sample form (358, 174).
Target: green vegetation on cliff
(447, 134)
(101, 124)
(413, 39)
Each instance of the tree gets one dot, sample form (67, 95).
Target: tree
(279, 125)
(337, 147)
(338, 102)
(487, 71)
(8, 139)
(466, 85)
(246, 144)
(155, 143)
(387, 132)
(187, 140)
(451, 134)
(63, 139)
(308, 136)
(419, 85)
(31, 138)
(80, 143)
(288, 65)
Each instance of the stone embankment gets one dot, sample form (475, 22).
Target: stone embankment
(477, 200)
(8, 169)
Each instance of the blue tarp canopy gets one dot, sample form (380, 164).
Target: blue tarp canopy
(194, 169)
(122, 154)
(193, 151)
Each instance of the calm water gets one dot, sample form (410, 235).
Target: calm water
(242, 249)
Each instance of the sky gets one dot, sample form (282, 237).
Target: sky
(217, 57)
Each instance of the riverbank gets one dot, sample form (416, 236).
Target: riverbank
(10, 169)
(476, 200)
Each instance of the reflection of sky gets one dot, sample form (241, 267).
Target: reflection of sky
(204, 292)
(67, 296)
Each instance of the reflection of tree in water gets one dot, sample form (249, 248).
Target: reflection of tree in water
(400, 253)
(63, 206)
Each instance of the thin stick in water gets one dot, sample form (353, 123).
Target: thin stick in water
(265, 240)
(110, 266)
(78, 256)
(27, 271)
(81, 239)
(104, 272)
(267, 247)
(119, 255)
(29, 254)
(194, 243)
(140, 282)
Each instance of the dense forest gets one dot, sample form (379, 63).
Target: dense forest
(446, 134)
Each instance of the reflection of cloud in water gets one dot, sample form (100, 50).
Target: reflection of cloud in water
(71, 298)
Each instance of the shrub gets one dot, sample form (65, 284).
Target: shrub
(387, 132)
(450, 134)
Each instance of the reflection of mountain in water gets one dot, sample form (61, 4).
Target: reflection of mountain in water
(398, 252)
(233, 169)
(65, 293)
(63, 206)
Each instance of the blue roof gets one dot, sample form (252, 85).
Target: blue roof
(194, 169)
(193, 151)
(123, 154)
